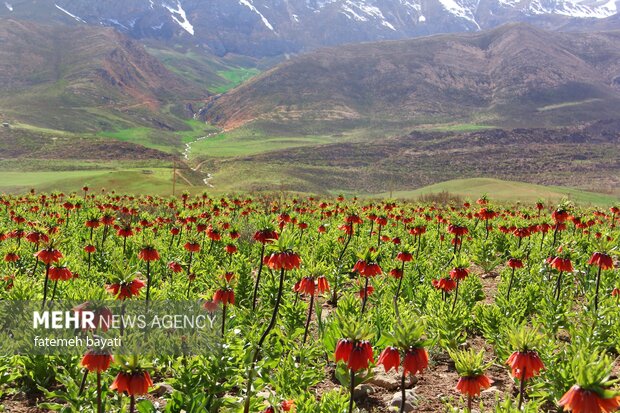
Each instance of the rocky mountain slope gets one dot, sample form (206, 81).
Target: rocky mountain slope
(514, 76)
(274, 27)
(83, 78)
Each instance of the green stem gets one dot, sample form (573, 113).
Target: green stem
(260, 270)
(522, 389)
(272, 323)
(403, 393)
(351, 390)
(309, 317)
(598, 284)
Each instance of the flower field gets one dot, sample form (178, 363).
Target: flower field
(321, 305)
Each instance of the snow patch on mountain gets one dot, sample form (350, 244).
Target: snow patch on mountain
(250, 6)
(8, 6)
(363, 12)
(460, 11)
(182, 19)
(77, 18)
(117, 23)
(576, 9)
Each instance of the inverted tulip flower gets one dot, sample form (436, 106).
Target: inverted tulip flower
(514, 264)
(593, 391)
(283, 258)
(98, 362)
(524, 362)
(310, 286)
(470, 367)
(48, 256)
(403, 256)
(604, 262)
(561, 263)
(148, 253)
(355, 351)
(264, 236)
(132, 380)
(408, 346)
(367, 267)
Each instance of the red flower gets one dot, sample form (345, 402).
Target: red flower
(444, 284)
(126, 290)
(107, 220)
(230, 249)
(175, 266)
(457, 230)
(602, 260)
(390, 358)
(211, 306)
(192, 246)
(472, 385)
(287, 405)
(135, 383)
(213, 234)
(396, 273)
(306, 286)
(224, 296)
(49, 255)
(515, 263)
(92, 223)
(148, 253)
(287, 260)
(11, 257)
(90, 248)
(360, 356)
(578, 400)
(366, 292)
(416, 360)
(459, 273)
(562, 264)
(527, 361)
(559, 215)
(228, 276)
(265, 236)
(96, 362)
(60, 273)
(404, 256)
(615, 292)
(322, 284)
(343, 350)
(367, 269)
(125, 231)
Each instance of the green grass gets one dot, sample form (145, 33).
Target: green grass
(235, 77)
(33, 128)
(566, 104)
(131, 180)
(246, 141)
(509, 191)
(459, 127)
(165, 141)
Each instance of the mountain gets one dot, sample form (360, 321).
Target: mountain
(515, 76)
(274, 27)
(84, 79)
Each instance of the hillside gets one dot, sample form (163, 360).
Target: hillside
(85, 79)
(585, 156)
(514, 76)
